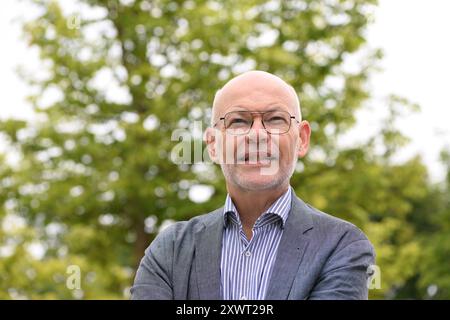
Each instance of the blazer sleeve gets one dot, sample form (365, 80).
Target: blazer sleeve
(153, 279)
(345, 274)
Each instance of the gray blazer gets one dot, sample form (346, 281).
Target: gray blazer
(319, 257)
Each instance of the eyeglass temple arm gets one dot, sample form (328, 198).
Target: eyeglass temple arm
(215, 124)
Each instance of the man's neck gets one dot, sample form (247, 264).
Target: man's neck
(251, 204)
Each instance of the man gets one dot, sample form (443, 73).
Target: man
(265, 243)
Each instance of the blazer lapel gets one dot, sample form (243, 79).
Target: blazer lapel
(208, 251)
(292, 247)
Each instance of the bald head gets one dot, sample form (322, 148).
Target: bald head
(255, 87)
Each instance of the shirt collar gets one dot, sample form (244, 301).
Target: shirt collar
(280, 207)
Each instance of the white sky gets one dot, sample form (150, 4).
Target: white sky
(412, 33)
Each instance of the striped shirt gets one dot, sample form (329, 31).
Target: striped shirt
(246, 266)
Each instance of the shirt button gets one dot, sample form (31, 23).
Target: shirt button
(243, 298)
(248, 253)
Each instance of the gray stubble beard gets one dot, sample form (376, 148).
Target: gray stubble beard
(230, 175)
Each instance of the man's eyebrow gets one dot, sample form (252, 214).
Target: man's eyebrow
(276, 107)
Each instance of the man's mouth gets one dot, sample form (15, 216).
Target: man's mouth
(256, 158)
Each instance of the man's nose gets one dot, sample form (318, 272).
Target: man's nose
(257, 124)
(257, 132)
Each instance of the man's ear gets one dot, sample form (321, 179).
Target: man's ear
(211, 143)
(304, 135)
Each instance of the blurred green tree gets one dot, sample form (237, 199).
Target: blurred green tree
(92, 180)
(431, 218)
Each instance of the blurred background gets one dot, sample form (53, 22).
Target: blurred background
(93, 90)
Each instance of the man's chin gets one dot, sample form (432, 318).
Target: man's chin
(255, 178)
(255, 182)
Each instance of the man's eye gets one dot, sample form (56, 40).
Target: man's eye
(238, 121)
(276, 119)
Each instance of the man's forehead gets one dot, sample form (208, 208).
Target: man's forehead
(255, 89)
(251, 96)
(254, 93)
(250, 85)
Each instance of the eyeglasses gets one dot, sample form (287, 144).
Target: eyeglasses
(240, 122)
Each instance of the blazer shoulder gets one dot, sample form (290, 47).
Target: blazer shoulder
(327, 224)
(181, 230)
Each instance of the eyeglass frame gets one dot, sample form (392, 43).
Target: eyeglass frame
(253, 121)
